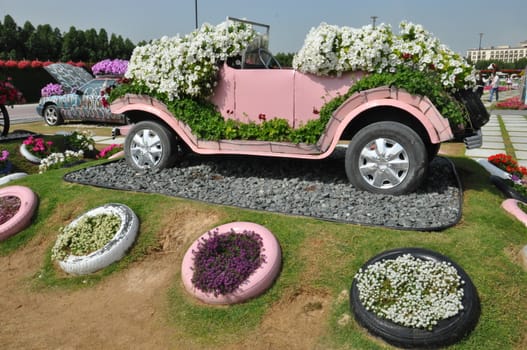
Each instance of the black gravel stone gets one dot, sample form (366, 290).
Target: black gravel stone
(318, 189)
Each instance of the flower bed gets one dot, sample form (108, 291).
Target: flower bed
(511, 103)
(413, 297)
(507, 175)
(231, 263)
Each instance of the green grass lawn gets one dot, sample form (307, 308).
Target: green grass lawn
(318, 256)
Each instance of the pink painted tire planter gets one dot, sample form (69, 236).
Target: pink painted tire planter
(256, 284)
(511, 206)
(22, 219)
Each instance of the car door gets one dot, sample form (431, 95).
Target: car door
(91, 107)
(264, 94)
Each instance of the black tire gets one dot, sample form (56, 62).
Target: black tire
(4, 121)
(51, 115)
(150, 145)
(433, 150)
(394, 173)
(446, 332)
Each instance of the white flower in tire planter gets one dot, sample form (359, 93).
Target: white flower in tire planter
(413, 297)
(231, 263)
(17, 206)
(117, 222)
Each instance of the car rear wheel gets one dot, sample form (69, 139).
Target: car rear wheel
(150, 145)
(52, 116)
(386, 157)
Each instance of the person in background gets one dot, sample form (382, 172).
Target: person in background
(509, 83)
(480, 84)
(494, 86)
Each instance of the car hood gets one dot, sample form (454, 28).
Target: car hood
(70, 77)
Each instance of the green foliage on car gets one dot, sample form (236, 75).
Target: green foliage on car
(207, 123)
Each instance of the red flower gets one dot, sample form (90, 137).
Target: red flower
(47, 63)
(36, 64)
(11, 64)
(2, 63)
(24, 64)
(407, 56)
(261, 116)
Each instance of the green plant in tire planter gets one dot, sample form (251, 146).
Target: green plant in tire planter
(223, 261)
(90, 234)
(411, 292)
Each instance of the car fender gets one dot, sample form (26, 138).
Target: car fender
(144, 103)
(436, 126)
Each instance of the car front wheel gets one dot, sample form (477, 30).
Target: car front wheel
(386, 157)
(150, 145)
(52, 116)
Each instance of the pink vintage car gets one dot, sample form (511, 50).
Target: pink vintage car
(391, 134)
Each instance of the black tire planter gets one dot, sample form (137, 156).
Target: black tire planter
(507, 190)
(446, 332)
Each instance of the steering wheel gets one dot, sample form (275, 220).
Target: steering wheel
(267, 59)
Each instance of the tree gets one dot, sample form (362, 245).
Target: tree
(285, 59)
(102, 45)
(74, 46)
(9, 38)
(45, 43)
(23, 38)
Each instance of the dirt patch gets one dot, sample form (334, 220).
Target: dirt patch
(296, 322)
(126, 310)
(129, 308)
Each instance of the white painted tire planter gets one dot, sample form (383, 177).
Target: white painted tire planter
(14, 176)
(494, 170)
(511, 205)
(26, 154)
(22, 219)
(114, 250)
(256, 284)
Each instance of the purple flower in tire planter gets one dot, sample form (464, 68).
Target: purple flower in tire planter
(231, 263)
(223, 261)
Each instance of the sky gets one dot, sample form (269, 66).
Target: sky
(457, 23)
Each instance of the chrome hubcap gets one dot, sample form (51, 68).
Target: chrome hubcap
(50, 115)
(383, 163)
(146, 149)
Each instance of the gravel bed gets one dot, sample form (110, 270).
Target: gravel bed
(318, 189)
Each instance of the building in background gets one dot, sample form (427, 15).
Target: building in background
(503, 53)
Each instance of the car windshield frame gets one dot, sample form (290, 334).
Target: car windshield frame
(95, 86)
